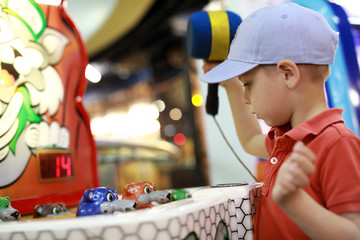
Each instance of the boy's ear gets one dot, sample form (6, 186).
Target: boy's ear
(290, 73)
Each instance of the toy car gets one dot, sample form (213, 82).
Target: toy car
(119, 205)
(179, 194)
(102, 200)
(7, 212)
(50, 210)
(144, 193)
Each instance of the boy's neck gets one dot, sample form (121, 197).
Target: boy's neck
(299, 118)
(308, 102)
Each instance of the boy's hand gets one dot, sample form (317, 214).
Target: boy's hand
(208, 65)
(294, 173)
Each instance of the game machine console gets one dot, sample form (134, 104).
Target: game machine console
(47, 152)
(218, 212)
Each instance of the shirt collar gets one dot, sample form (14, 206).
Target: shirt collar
(312, 126)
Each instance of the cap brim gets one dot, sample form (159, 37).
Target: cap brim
(227, 70)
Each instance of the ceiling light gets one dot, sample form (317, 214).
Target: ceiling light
(92, 74)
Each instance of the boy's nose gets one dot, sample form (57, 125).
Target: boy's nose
(246, 101)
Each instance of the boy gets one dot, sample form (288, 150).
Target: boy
(281, 55)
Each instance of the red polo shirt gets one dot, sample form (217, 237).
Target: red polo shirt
(335, 183)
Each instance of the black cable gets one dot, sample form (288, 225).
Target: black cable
(231, 148)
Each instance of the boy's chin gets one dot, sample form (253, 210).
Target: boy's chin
(272, 123)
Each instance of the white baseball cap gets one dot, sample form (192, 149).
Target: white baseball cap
(270, 34)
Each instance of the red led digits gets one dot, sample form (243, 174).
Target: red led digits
(61, 164)
(55, 165)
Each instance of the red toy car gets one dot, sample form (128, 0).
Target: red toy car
(144, 193)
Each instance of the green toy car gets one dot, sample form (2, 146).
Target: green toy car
(179, 194)
(7, 212)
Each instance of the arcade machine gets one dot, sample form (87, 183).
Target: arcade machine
(47, 153)
(48, 162)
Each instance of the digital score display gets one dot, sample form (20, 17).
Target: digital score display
(55, 165)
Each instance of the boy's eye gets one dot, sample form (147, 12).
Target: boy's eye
(246, 84)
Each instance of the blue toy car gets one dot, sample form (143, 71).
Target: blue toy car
(92, 198)
(102, 200)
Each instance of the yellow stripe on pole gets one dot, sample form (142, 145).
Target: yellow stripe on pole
(220, 33)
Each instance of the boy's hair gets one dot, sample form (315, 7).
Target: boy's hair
(285, 31)
(320, 72)
(316, 71)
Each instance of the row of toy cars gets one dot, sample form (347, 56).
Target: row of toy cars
(101, 200)
(135, 196)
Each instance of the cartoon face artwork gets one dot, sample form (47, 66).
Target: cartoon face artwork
(31, 90)
(47, 151)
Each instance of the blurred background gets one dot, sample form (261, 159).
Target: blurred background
(144, 96)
